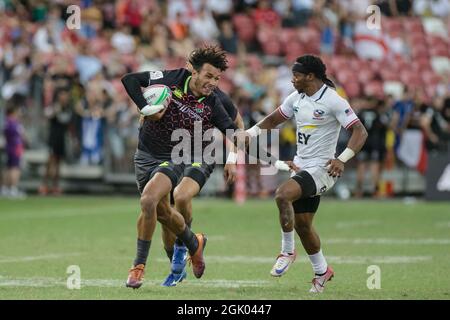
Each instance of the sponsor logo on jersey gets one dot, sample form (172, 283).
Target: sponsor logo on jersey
(178, 93)
(199, 107)
(318, 114)
(156, 75)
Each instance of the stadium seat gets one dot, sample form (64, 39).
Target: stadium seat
(374, 88)
(412, 25)
(388, 24)
(430, 78)
(293, 50)
(346, 75)
(245, 27)
(365, 74)
(352, 89)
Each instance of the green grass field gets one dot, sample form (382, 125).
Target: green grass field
(41, 237)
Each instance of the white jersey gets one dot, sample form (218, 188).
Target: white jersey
(319, 119)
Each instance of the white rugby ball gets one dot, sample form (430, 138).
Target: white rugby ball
(158, 97)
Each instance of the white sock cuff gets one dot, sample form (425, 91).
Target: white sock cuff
(318, 262)
(287, 242)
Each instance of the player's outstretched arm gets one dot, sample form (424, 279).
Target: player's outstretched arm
(356, 142)
(271, 121)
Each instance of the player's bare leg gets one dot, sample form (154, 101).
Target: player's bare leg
(285, 194)
(195, 243)
(311, 242)
(186, 190)
(158, 187)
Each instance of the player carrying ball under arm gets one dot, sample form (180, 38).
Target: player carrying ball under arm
(319, 113)
(193, 100)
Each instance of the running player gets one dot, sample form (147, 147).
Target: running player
(193, 99)
(319, 113)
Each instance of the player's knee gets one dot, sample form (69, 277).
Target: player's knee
(148, 203)
(282, 195)
(181, 199)
(303, 228)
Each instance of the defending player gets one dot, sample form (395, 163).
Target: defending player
(319, 113)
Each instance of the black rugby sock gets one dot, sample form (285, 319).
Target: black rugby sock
(189, 239)
(143, 247)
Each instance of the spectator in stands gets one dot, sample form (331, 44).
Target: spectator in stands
(435, 126)
(264, 15)
(91, 112)
(203, 27)
(228, 39)
(440, 8)
(303, 10)
(402, 110)
(59, 115)
(14, 138)
(376, 121)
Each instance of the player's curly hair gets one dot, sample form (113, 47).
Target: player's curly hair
(211, 54)
(316, 66)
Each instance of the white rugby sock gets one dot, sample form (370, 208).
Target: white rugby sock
(318, 262)
(287, 242)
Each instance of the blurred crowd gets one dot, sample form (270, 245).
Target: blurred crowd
(61, 89)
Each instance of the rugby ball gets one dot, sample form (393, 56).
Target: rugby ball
(158, 97)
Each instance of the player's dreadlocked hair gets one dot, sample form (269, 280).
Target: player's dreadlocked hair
(213, 55)
(313, 64)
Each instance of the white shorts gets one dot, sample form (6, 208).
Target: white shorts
(322, 179)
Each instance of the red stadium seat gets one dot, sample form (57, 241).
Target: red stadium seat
(374, 88)
(413, 25)
(293, 49)
(245, 27)
(430, 78)
(439, 50)
(352, 89)
(419, 51)
(388, 24)
(365, 74)
(288, 35)
(388, 74)
(346, 75)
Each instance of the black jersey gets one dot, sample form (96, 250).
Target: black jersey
(376, 125)
(182, 113)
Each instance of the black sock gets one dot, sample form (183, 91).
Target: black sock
(169, 253)
(143, 247)
(178, 241)
(189, 239)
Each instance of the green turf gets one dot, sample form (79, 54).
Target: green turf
(41, 237)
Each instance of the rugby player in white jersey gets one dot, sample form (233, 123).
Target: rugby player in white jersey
(319, 113)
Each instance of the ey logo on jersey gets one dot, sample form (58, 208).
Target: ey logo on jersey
(303, 138)
(318, 114)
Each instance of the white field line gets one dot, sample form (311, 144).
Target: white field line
(35, 258)
(115, 283)
(443, 224)
(303, 259)
(387, 241)
(357, 224)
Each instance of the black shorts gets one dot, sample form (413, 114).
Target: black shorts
(370, 153)
(146, 166)
(199, 172)
(309, 201)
